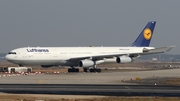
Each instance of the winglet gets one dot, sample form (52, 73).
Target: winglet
(144, 39)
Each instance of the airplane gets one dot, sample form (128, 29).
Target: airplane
(86, 57)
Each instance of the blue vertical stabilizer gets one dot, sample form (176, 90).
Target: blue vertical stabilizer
(144, 39)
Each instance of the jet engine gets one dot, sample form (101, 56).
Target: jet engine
(86, 63)
(123, 59)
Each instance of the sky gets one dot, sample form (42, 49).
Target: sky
(60, 23)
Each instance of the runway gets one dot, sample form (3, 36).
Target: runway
(91, 78)
(107, 83)
(90, 89)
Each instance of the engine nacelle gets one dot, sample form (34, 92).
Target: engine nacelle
(123, 59)
(86, 63)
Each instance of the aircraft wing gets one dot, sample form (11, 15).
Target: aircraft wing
(158, 50)
(97, 57)
(146, 52)
(153, 51)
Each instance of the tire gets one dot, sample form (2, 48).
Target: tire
(92, 70)
(76, 70)
(98, 70)
(85, 70)
(69, 70)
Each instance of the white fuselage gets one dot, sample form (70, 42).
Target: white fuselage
(60, 55)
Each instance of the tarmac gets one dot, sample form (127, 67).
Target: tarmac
(127, 83)
(89, 78)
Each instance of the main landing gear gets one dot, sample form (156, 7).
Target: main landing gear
(72, 69)
(92, 70)
(95, 70)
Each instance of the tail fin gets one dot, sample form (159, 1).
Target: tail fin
(145, 36)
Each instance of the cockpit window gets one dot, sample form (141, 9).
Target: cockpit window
(12, 53)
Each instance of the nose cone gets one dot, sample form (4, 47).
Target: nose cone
(8, 57)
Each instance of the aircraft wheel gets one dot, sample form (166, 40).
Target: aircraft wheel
(92, 70)
(98, 70)
(73, 70)
(69, 70)
(76, 70)
(85, 70)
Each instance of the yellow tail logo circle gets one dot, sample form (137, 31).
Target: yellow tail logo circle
(147, 34)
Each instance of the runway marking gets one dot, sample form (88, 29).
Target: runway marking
(40, 81)
(43, 82)
(127, 87)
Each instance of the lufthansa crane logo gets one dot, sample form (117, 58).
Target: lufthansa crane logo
(147, 33)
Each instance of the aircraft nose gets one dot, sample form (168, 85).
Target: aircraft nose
(8, 57)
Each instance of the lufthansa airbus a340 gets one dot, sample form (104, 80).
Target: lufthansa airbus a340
(86, 57)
